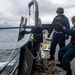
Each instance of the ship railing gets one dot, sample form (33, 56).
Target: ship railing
(3, 70)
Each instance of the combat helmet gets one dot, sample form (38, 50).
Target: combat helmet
(60, 10)
(73, 19)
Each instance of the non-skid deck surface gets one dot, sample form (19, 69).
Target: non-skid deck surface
(50, 68)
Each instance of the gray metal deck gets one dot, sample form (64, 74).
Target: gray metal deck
(56, 58)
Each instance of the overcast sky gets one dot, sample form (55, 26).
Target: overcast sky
(12, 10)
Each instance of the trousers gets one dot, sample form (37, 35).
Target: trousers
(66, 55)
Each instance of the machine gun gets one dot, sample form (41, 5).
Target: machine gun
(37, 31)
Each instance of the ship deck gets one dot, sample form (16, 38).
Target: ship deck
(62, 72)
(59, 71)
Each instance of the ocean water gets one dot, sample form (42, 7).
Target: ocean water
(9, 43)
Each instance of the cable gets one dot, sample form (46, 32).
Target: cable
(26, 12)
(31, 15)
(15, 44)
(12, 51)
(10, 59)
(32, 18)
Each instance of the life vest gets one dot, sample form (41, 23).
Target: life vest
(59, 19)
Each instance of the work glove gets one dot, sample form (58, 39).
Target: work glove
(66, 36)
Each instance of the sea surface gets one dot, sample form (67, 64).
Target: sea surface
(9, 44)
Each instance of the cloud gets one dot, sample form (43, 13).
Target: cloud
(12, 10)
(48, 9)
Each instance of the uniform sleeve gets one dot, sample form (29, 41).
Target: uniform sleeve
(67, 25)
(69, 32)
(66, 21)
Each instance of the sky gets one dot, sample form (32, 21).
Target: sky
(12, 10)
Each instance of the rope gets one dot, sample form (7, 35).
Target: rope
(10, 59)
(15, 44)
(32, 18)
(12, 51)
(29, 20)
(26, 12)
(31, 15)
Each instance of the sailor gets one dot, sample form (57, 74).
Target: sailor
(58, 35)
(67, 53)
